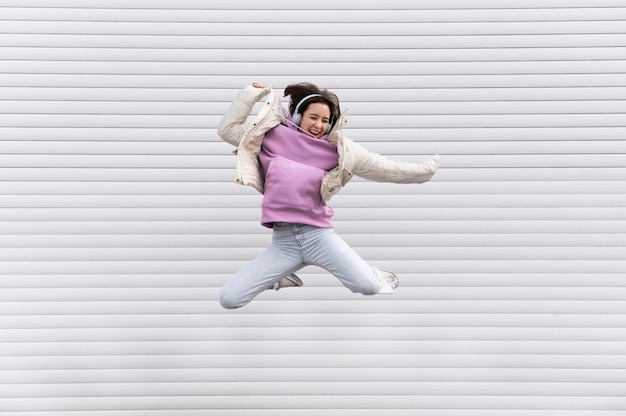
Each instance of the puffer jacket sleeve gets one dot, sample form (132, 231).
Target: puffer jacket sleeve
(375, 167)
(234, 123)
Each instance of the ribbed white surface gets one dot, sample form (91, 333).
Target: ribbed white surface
(119, 220)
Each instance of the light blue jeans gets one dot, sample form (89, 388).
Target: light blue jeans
(295, 246)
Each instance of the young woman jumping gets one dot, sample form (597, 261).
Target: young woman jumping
(299, 159)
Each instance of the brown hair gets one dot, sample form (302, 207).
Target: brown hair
(297, 92)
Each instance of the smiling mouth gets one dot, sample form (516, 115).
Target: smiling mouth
(310, 132)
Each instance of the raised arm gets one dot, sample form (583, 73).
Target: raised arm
(234, 123)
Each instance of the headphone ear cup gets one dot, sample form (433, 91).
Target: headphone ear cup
(297, 119)
(329, 128)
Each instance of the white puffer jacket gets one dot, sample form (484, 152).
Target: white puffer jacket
(353, 158)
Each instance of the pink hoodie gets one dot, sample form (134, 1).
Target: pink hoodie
(293, 164)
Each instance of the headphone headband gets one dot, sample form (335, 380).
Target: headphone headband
(303, 100)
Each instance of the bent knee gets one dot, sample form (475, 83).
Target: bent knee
(370, 290)
(228, 301)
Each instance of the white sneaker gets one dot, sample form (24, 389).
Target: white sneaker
(390, 278)
(289, 281)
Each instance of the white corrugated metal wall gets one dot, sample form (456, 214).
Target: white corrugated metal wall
(119, 221)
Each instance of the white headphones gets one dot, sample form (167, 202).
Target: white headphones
(297, 116)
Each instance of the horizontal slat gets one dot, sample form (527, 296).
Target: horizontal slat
(356, 108)
(319, 388)
(361, 69)
(223, 96)
(333, 347)
(340, 411)
(124, 240)
(404, 266)
(381, 375)
(325, 4)
(391, 148)
(343, 215)
(268, 54)
(314, 402)
(211, 176)
(351, 81)
(319, 278)
(251, 200)
(357, 121)
(310, 361)
(361, 188)
(312, 28)
(314, 42)
(224, 161)
(250, 15)
(77, 314)
(440, 134)
(387, 253)
(391, 334)
(175, 328)
(337, 292)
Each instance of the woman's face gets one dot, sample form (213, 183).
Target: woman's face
(315, 119)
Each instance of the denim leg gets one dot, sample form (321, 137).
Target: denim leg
(324, 248)
(282, 258)
(293, 247)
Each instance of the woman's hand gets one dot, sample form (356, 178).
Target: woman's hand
(257, 85)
